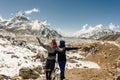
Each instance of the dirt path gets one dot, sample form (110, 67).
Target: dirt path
(87, 74)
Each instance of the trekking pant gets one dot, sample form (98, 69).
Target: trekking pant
(62, 68)
(50, 64)
(48, 75)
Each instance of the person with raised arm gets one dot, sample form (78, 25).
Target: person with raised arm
(51, 58)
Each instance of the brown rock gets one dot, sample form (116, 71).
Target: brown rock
(27, 73)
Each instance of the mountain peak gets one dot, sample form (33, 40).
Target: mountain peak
(20, 24)
(93, 32)
(20, 13)
(20, 16)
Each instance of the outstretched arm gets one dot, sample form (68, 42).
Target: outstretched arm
(71, 48)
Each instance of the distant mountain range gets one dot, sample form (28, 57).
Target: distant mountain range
(20, 24)
(94, 33)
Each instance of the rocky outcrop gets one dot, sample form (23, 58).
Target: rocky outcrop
(4, 77)
(118, 78)
(27, 73)
(117, 68)
(110, 37)
(38, 69)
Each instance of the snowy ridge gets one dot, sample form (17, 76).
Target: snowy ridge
(94, 32)
(20, 24)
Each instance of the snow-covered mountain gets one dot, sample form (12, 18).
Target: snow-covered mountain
(93, 32)
(20, 24)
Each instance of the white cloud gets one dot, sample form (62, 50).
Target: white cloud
(31, 11)
(1, 18)
(45, 23)
(112, 26)
(84, 27)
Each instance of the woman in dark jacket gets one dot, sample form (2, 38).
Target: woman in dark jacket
(62, 57)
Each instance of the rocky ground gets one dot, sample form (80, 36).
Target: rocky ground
(106, 54)
(95, 60)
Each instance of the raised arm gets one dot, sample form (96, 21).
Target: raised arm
(42, 44)
(47, 47)
(40, 41)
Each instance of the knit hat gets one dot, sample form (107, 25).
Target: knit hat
(62, 43)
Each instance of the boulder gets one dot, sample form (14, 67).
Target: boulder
(38, 69)
(118, 78)
(4, 77)
(27, 73)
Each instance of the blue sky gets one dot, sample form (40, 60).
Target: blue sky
(67, 15)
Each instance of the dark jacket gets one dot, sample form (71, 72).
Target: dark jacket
(62, 52)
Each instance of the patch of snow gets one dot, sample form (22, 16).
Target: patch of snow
(36, 25)
(75, 55)
(80, 63)
(23, 57)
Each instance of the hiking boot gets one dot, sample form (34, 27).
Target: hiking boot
(62, 78)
